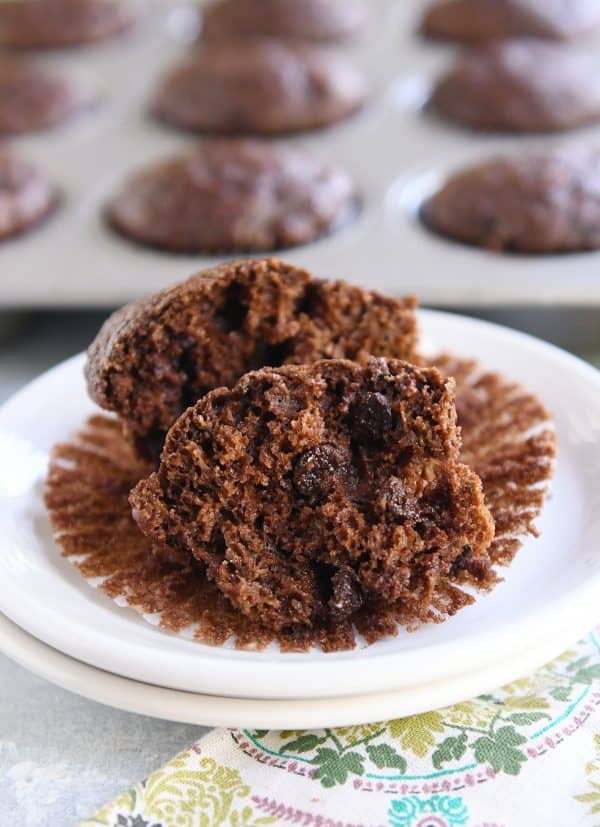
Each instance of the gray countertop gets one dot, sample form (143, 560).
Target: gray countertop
(62, 756)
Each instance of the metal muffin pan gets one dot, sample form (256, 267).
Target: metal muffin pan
(395, 150)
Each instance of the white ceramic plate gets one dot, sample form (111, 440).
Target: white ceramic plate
(550, 593)
(212, 710)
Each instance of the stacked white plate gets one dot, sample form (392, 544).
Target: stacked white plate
(59, 626)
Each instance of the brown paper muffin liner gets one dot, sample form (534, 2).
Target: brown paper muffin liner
(507, 440)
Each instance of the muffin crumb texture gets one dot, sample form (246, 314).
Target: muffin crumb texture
(152, 359)
(311, 492)
(506, 442)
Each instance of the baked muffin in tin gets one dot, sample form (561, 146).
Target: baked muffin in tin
(262, 87)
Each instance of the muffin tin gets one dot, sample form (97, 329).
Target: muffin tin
(396, 151)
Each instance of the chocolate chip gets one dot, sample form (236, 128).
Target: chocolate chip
(316, 471)
(370, 416)
(346, 595)
(397, 501)
(477, 567)
(461, 562)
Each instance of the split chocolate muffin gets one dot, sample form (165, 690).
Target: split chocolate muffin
(51, 24)
(33, 97)
(474, 21)
(317, 20)
(546, 201)
(520, 86)
(262, 86)
(233, 196)
(312, 492)
(302, 503)
(154, 358)
(26, 197)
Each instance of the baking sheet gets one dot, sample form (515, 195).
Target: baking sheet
(396, 152)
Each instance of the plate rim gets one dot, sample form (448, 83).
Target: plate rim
(177, 705)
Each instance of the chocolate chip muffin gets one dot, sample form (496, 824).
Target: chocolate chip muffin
(259, 87)
(48, 24)
(33, 97)
(231, 196)
(310, 492)
(317, 20)
(25, 195)
(543, 202)
(154, 358)
(521, 86)
(474, 21)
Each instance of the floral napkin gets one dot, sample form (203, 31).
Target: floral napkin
(524, 755)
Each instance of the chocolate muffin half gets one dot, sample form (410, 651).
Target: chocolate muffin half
(474, 21)
(33, 97)
(521, 86)
(259, 87)
(310, 492)
(542, 202)
(233, 196)
(154, 358)
(51, 24)
(25, 195)
(317, 20)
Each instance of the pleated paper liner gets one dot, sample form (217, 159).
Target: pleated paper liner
(507, 440)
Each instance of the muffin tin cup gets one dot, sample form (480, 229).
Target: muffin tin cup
(396, 151)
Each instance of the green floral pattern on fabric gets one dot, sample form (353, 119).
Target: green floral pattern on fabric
(491, 731)
(424, 771)
(189, 791)
(592, 796)
(417, 734)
